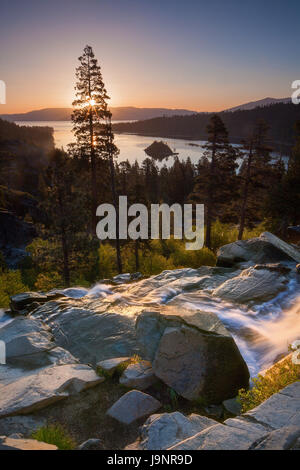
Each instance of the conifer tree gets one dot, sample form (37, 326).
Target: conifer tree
(255, 174)
(92, 128)
(216, 179)
(88, 117)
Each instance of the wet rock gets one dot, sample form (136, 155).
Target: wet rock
(110, 365)
(91, 330)
(140, 376)
(44, 387)
(252, 285)
(161, 431)
(122, 278)
(8, 443)
(21, 302)
(133, 406)
(274, 267)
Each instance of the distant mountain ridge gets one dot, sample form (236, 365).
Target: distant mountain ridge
(259, 103)
(131, 113)
(119, 114)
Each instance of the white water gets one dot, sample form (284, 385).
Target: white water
(4, 318)
(263, 333)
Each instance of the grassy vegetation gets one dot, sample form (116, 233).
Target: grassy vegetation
(275, 379)
(55, 434)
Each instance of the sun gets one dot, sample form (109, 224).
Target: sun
(90, 101)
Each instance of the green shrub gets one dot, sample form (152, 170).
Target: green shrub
(48, 281)
(56, 435)
(10, 284)
(275, 379)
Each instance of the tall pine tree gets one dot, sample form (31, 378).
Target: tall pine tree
(92, 127)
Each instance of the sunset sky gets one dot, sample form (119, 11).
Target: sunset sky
(200, 55)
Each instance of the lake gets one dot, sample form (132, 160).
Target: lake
(131, 146)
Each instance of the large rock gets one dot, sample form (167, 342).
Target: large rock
(8, 443)
(91, 330)
(253, 285)
(193, 353)
(133, 406)
(21, 302)
(29, 344)
(44, 387)
(162, 431)
(139, 375)
(264, 249)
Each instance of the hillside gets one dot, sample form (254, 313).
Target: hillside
(259, 103)
(119, 114)
(280, 117)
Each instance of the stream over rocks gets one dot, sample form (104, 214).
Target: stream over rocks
(201, 329)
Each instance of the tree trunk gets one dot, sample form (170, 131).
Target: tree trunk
(210, 199)
(114, 194)
(93, 176)
(137, 260)
(245, 196)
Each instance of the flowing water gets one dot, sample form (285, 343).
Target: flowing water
(262, 332)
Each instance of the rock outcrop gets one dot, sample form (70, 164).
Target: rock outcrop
(273, 424)
(175, 322)
(44, 387)
(193, 353)
(253, 285)
(162, 431)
